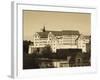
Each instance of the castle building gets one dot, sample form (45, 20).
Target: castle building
(65, 39)
(56, 39)
(83, 42)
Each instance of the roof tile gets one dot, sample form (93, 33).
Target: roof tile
(58, 33)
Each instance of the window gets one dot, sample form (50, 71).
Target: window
(83, 46)
(36, 36)
(78, 60)
(35, 44)
(50, 38)
(64, 65)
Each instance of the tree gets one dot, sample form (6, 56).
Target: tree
(26, 44)
(47, 50)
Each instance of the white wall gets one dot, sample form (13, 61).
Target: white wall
(5, 39)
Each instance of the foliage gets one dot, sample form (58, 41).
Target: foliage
(26, 44)
(47, 49)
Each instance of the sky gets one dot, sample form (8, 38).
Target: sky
(34, 21)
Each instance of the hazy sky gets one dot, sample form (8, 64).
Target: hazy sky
(34, 21)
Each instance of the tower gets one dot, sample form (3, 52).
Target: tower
(43, 29)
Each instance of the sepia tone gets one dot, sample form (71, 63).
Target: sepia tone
(56, 39)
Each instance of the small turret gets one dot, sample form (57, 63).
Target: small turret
(43, 29)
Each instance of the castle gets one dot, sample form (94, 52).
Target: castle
(64, 39)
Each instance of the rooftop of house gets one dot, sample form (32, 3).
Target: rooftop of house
(69, 52)
(85, 36)
(58, 33)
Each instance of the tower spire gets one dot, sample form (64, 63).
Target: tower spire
(43, 28)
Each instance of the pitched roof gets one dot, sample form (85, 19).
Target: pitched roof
(85, 36)
(70, 32)
(69, 52)
(43, 34)
(58, 33)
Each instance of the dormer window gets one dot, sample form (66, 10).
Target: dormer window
(36, 35)
(50, 36)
